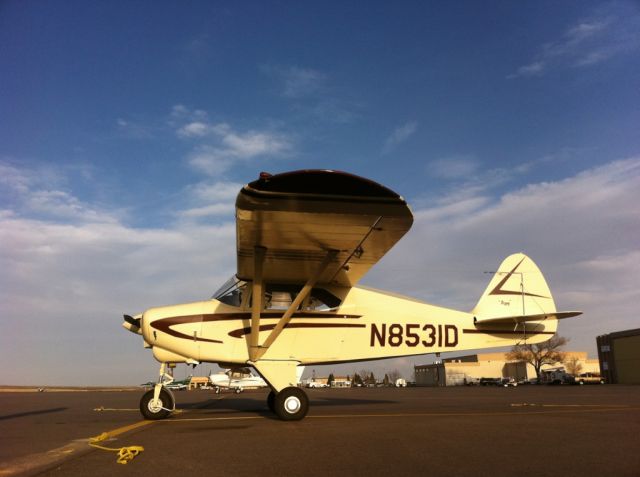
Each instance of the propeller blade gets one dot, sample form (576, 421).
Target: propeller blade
(131, 320)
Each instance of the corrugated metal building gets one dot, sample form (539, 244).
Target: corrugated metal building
(619, 355)
(470, 368)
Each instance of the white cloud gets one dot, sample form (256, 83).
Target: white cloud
(69, 271)
(59, 204)
(40, 191)
(221, 146)
(454, 167)
(65, 288)
(300, 82)
(296, 82)
(611, 30)
(209, 200)
(194, 129)
(533, 69)
(135, 129)
(399, 135)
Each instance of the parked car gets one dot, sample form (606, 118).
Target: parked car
(509, 382)
(490, 381)
(589, 378)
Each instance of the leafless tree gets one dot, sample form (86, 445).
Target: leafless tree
(537, 355)
(394, 375)
(574, 366)
(366, 374)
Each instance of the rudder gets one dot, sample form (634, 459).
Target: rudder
(517, 288)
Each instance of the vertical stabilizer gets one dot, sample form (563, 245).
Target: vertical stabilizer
(516, 289)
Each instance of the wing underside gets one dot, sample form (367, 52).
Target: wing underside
(303, 218)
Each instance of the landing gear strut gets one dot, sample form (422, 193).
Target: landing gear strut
(158, 402)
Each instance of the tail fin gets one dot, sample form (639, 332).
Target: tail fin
(517, 293)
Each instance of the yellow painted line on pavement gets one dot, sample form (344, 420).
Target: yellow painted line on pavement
(130, 427)
(49, 458)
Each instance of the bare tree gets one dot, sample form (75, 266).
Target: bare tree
(394, 375)
(367, 376)
(537, 355)
(574, 366)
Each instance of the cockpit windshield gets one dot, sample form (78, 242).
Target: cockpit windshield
(276, 296)
(231, 292)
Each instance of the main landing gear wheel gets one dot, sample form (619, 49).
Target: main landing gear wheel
(291, 404)
(271, 401)
(155, 411)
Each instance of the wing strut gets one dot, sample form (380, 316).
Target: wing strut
(259, 254)
(358, 251)
(258, 351)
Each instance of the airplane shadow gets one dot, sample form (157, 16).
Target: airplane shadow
(259, 406)
(32, 413)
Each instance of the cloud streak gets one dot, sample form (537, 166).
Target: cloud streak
(612, 30)
(399, 135)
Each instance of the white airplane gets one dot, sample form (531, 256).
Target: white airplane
(236, 380)
(239, 379)
(304, 240)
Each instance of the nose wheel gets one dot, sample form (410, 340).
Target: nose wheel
(155, 409)
(158, 403)
(290, 404)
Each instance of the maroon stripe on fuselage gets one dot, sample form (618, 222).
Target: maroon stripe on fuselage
(510, 332)
(165, 325)
(239, 333)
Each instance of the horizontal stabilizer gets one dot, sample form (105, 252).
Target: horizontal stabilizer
(556, 315)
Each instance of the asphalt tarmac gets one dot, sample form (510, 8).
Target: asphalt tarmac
(460, 431)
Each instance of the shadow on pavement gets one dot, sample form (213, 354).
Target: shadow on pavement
(32, 413)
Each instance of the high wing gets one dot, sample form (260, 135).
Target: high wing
(311, 220)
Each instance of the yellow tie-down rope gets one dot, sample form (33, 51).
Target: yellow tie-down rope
(125, 454)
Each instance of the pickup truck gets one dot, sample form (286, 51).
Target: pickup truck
(589, 378)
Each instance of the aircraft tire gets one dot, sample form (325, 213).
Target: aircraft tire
(271, 401)
(151, 413)
(291, 404)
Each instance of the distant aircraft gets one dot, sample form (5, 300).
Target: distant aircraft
(239, 379)
(304, 240)
(236, 380)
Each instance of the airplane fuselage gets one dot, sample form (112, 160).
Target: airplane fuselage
(368, 325)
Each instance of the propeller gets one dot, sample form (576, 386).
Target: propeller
(131, 320)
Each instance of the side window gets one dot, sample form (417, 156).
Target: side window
(280, 297)
(277, 300)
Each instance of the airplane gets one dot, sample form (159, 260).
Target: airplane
(236, 380)
(304, 240)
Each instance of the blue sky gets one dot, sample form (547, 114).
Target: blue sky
(128, 128)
